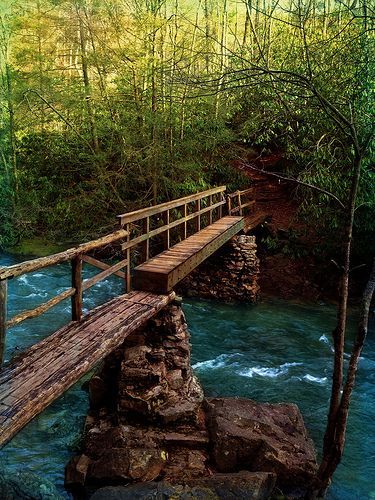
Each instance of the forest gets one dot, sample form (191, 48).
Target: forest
(107, 106)
(110, 105)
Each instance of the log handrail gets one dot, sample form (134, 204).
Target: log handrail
(163, 207)
(77, 256)
(199, 209)
(57, 258)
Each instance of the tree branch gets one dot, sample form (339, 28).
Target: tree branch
(292, 179)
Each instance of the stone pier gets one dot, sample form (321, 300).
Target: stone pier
(151, 434)
(230, 274)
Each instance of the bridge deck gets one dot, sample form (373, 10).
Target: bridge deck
(161, 273)
(47, 369)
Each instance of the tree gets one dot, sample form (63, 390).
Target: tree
(344, 110)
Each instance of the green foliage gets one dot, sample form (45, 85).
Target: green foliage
(142, 104)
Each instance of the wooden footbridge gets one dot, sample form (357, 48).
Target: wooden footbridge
(160, 245)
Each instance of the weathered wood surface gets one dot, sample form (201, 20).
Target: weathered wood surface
(161, 273)
(104, 274)
(37, 311)
(77, 298)
(101, 265)
(46, 370)
(35, 264)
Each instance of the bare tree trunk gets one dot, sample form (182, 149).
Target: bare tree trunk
(190, 64)
(86, 80)
(12, 130)
(40, 64)
(223, 56)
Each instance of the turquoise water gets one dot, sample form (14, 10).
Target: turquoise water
(274, 351)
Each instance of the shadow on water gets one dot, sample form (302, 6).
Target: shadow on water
(274, 351)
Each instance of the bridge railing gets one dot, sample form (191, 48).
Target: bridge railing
(169, 222)
(77, 256)
(241, 202)
(142, 234)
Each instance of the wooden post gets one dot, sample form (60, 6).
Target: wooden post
(166, 234)
(221, 206)
(3, 317)
(185, 223)
(128, 258)
(199, 216)
(239, 203)
(145, 245)
(210, 212)
(229, 205)
(77, 298)
(196, 218)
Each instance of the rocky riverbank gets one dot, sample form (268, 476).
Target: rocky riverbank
(151, 432)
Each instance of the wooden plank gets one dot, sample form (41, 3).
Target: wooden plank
(101, 265)
(66, 367)
(163, 272)
(71, 330)
(3, 316)
(83, 340)
(77, 298)
(19, 405)
(149, 211)
(35, 264)
(104, 274)
(37, 311)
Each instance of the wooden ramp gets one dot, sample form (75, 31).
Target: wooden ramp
(161, 273)
(47, 369)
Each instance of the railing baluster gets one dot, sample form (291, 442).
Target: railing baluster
(145, 245)
(166, 234)
(239, 202)
(128, 258)
(229, 204)
(3, 317)
(185, 223)
(168, 231)
(77, 298)
(195, 220)
(199, 216)
(210, 212)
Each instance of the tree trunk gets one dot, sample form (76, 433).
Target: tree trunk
(86, 81)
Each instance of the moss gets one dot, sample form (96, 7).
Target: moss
(37, 247)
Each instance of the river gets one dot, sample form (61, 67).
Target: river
(274, 351)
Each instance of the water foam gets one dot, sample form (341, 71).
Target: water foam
(263, 371)
(218, 362)
(316, 380)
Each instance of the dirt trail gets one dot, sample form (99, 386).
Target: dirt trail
(283, 275)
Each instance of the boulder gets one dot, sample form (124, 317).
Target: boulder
(241, 486)
(261, 437)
